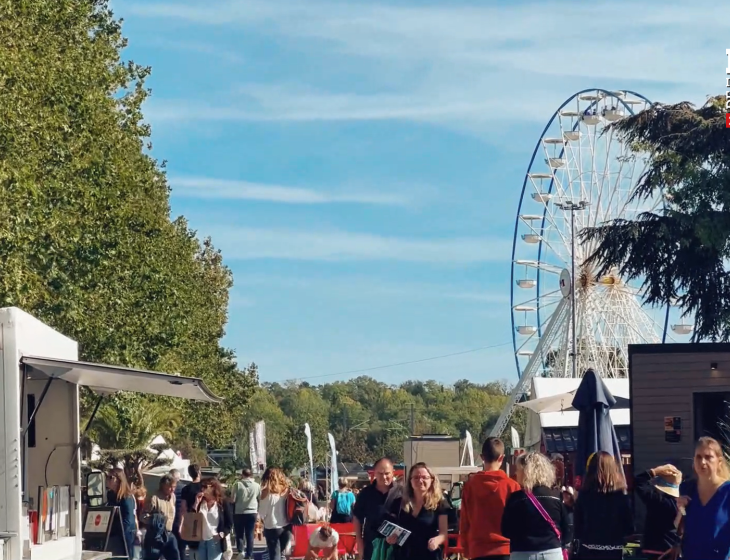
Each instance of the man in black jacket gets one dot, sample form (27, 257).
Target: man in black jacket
(372, 506)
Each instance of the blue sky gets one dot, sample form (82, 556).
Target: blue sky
(360, 164)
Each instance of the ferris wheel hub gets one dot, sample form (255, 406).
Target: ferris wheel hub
(566, 283)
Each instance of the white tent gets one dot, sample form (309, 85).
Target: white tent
(177, 462)
(545, 387)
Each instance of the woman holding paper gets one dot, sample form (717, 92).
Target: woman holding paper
(422, 512)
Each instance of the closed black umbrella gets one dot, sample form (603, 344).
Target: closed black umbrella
(593, 400)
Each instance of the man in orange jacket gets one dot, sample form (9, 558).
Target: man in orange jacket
(482, 504)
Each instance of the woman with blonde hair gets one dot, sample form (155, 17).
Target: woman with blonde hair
(423, 512)
(707, 520)
(603, 519)
(272, 511)
(534, 519)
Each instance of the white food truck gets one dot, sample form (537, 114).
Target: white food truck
(39, 433)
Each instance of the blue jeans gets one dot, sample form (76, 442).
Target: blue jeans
(552, 554)
(209, 550)
(277, 540)
(169, 551)
(245, 524)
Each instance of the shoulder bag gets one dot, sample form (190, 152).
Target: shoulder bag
(549, 519)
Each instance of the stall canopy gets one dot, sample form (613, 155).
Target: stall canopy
(111, 379)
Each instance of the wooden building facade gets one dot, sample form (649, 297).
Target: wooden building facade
(679, 393)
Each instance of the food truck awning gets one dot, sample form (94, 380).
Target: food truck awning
(106, 379)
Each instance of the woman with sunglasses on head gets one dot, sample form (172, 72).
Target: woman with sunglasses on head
(218, 520)
(707, 521)
(120, 494)
(422, 511)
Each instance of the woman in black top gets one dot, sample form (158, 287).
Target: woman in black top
(523, 523)
(603, 517)
(658, 488)
(423, 512)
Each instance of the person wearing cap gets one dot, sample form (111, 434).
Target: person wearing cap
(658, 488)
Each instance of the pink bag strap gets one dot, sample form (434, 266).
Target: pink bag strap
(544, 514)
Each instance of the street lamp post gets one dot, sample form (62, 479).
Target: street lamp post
(573, 207)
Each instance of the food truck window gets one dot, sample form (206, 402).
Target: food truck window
(711, 411)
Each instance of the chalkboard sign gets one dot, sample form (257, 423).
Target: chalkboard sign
(104, 532)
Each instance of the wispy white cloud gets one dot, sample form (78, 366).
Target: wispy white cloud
(253, 243)
(464, 66)
(213, 52)
(208, 188)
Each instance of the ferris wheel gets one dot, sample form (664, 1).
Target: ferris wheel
(581, 174)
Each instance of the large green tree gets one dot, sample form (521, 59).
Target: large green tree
(87, 243)
(680, 252)
(369, 418)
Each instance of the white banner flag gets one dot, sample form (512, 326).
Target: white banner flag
(260, 437)
(515, 438)
(469, 448)
(252, 452)
(312, 476)
(333, 475)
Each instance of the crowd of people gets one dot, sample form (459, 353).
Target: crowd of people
(528, 517)
(532, 518)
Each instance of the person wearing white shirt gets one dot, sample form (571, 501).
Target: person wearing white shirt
(323, 540)
(273, 514)
(218, 520)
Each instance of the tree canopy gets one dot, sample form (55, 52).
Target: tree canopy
(680, 253)
(368, 418)
(87, 243)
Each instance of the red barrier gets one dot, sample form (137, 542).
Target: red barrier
(456, 548)
(348, 542)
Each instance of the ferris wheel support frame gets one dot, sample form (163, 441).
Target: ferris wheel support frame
(552, 331)
(572, 207)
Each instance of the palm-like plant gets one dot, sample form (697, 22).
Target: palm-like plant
(132, 427)
(124, 430)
